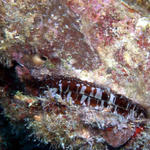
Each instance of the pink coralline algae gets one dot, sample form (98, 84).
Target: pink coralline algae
(100, 17)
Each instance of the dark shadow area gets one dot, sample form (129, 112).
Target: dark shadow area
(16, 136)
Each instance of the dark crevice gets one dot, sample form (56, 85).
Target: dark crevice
(10, 79)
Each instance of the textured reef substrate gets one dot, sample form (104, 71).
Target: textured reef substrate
(105, 42)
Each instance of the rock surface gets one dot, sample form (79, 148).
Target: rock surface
(102, 41)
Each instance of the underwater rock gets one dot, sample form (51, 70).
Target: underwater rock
(105, 42)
